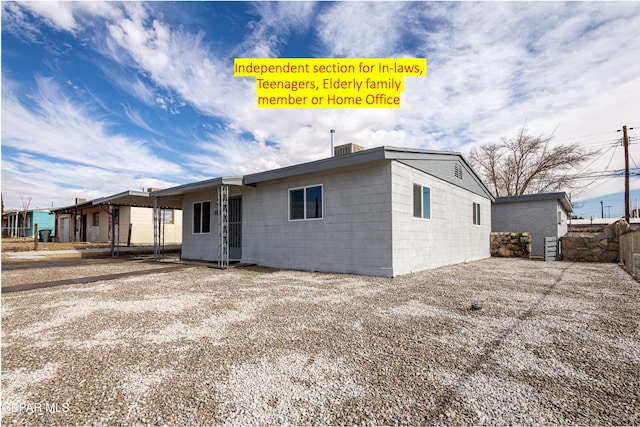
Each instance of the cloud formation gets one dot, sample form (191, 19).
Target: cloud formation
(492, 66)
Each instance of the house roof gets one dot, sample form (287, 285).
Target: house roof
(195, 186)
(560, 196)
(410, 156)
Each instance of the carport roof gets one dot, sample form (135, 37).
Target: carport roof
(132, 198)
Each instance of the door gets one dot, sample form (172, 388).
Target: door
(65, 229)
(235, 227)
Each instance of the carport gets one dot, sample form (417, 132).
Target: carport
(111, 205)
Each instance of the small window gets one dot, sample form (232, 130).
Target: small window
(476, 213)
(201, 217)
(96, 219)
(421, 201)
(305, 203)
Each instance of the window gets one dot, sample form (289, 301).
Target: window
(305, 203)
(96, 219)
(201, 217)
(167, 216)
(476, 213)
(421, 201)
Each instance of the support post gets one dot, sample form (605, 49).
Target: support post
(156, 234)
(35, 237)
(223, 225)
(625, 142)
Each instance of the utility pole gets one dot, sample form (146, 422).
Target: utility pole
(625, 142)
(601, 209)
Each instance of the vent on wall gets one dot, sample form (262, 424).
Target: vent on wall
(458, 170)
(343, 150)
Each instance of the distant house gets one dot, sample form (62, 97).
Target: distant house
(541, 215)
(15, 224)
(126, 218)
(383, 211)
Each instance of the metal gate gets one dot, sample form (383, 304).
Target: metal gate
(235, 227)
(551, 252)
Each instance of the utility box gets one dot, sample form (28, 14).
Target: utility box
(343, 150)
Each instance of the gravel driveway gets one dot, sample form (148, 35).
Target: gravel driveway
(553, 343)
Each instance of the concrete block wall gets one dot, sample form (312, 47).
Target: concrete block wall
(449, 237)
(354, 235)
(201, 246)
(538, 218)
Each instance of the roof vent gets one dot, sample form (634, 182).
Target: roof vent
(457, 170)
(343, 150)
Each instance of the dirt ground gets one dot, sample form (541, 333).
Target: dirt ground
(19, 244)
(551, 343)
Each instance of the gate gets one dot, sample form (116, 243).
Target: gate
(551, 252)
(235, 227)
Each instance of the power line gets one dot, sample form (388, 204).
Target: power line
(585, 136)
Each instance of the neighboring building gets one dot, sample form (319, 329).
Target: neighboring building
(384, 211)
(541, 215)
(15, 224)
(127, 218)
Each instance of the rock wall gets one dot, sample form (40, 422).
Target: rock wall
(511, 245)
(630, 252)
(602, 246)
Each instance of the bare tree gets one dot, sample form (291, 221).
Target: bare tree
(528, 165)
(25, 208)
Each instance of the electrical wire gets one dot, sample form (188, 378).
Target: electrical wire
(585, 136)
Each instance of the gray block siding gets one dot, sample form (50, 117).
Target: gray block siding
(354, 235)
(199, 246)
(539, 218)
(449, 237)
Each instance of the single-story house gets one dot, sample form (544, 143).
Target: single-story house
(16, 224)
(541, 215)
(125, 219)
(383, 211)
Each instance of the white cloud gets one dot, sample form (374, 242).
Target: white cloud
(71, 132)
(364, 29)
(492, 66)
(277, 21)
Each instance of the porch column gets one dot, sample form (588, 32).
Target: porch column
(223, 225)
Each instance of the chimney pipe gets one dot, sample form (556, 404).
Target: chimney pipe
(333, 132)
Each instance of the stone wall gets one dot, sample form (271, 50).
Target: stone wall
(630, 252)
(510, 245)
(603, 246)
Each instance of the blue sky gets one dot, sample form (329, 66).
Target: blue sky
(98, 98)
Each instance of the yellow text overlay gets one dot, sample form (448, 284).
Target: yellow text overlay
(329, 82)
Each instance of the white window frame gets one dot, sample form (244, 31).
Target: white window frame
(304, 198)
(193, 212)
(422, 187)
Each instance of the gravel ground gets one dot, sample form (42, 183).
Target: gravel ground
(24, 272)
(553, 343)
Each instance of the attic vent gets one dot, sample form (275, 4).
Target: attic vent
(458, 170)
(343, 150)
